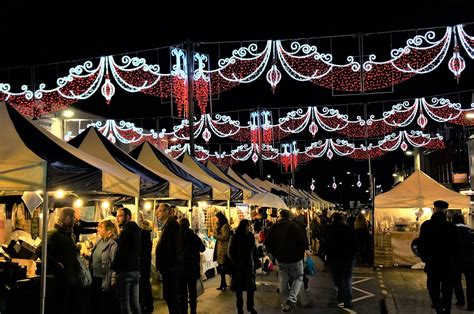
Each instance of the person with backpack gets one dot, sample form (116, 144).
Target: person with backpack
(287, 242)
(189, 267)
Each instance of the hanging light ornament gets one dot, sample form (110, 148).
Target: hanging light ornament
(273, 75)
(254, 158)
(312, 184)
(404, 146)
(330, 154)
(108, 90)
(111, 138)
(206, 135)
(313, 128)
(334, 184)
(456, 63)
(422, 120)
(359, 184)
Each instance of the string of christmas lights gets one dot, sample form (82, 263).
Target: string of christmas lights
(289, 156)
(302, 62)
(440, 110)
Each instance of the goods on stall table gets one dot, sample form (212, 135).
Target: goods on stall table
(383, 251)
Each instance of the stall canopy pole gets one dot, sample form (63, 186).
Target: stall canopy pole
(44, 246)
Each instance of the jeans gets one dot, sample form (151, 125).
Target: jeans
(440, 281)
(188, 291)
(127, 292)
(290, 272)
(171, 290)
(342, 277)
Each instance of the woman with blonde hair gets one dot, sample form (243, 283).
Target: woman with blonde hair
(103, 278)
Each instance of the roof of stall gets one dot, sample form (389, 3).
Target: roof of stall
(32, 159)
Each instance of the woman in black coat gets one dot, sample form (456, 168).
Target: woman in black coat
(189, 267)
(243, 254)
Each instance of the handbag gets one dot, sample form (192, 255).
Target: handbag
(84, 277)
(309, 267)
(199, 287)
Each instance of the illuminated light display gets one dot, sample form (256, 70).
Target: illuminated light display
(289, 156)
(420, 55)
(359, 184)
(302, 62)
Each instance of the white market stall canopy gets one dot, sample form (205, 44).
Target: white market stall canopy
(420, 191)
(33, 159)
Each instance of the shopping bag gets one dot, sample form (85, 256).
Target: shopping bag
(84, 277)
(199, 287)
(309, 267)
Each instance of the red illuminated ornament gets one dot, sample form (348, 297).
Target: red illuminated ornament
(273, 77)
(330, 154)
(108, 90)
(111, 138)
(254, 158)
(422, 120)
(456, 63)
(206, 135)
(404, 146)
(313, 128)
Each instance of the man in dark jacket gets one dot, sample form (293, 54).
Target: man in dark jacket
(341, 249)
(168, 251)
(189, 267)
(287, 242)
(126, 263)
(465, 262)
(438, 249)
(62, 264)
(146, 298)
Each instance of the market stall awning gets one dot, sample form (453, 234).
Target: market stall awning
(161, 163)
(94, 143)
(244, 182)
(33, 159)
(420, 191)
(220, 190)
(246, 191)
(267, 200)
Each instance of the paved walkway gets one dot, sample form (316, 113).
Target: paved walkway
(406, 290)
(366, 294)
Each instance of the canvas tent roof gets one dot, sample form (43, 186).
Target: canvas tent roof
(243, 181)
(94, 143)
(220, 189)
(33, 159)
(420, 191)
(162, 163)
(246, 191)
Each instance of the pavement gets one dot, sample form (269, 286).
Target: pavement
(367, 296)
(404, 290)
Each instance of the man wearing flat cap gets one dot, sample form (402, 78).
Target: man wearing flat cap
(438, 249)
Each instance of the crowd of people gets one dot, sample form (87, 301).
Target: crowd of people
(120, 261)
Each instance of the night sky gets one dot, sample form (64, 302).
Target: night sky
(38, 34)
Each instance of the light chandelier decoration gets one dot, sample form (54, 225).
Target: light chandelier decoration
(289, 156)
(133, 75)
(302, 62)
(260, 128)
